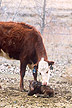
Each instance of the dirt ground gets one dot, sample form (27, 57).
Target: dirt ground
(12, 97)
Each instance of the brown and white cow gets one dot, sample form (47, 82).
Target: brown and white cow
(23, 42)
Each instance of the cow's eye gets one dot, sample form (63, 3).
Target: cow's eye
(47, 72)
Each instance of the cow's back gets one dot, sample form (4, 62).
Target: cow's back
(18, 39)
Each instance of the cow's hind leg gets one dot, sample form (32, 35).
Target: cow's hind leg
(22, 74)
(0, 87)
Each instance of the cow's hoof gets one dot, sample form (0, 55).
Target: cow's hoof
(23, 90)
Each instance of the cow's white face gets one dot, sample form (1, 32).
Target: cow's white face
(43, 68)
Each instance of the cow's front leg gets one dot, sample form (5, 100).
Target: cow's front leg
(22, 74)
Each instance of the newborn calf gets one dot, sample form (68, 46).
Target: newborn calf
(36, 87)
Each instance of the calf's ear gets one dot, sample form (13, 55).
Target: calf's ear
(50, 63)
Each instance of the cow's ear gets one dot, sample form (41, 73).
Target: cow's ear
(50, 62)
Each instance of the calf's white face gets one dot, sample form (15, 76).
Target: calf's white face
(43, 68)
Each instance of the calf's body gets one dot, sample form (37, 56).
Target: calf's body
(36, 87)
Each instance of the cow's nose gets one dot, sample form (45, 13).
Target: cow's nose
(44, 83)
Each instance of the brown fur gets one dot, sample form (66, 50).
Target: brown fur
(22, 42)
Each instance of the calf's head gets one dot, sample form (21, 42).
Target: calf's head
(34, 87)
(34, 84)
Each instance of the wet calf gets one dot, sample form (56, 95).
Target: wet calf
(36, 87)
